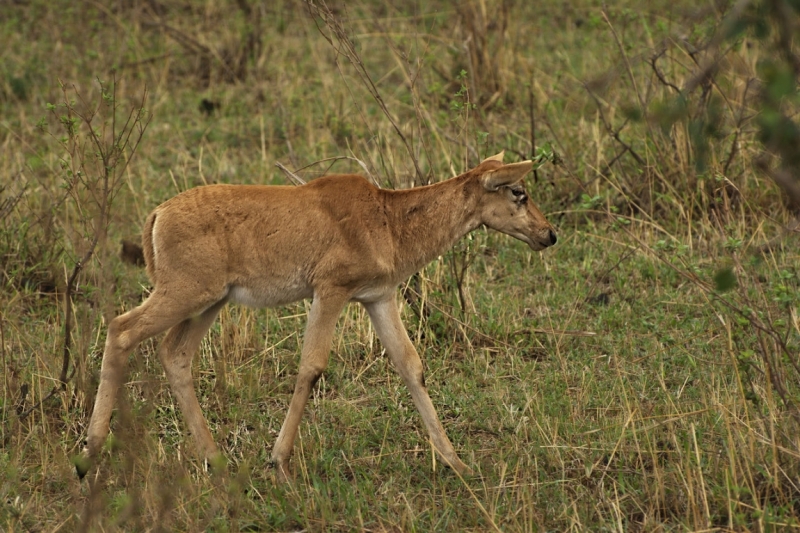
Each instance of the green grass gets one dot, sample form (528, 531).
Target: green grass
(605, 384)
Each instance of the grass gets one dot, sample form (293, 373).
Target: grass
(606, 384)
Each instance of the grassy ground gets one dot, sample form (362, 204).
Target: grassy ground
(605, 384)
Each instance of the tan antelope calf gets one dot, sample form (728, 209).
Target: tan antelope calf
(337, 239)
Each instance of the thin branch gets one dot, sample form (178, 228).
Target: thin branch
(294, 178)
(659, 75)
(705, 71)
(8, 204)
(532, 111)
(110, 157)
(732, 153)
(193, 45)
(339, 158)
(625, 58)
(607, 167)
(611, 131)
(345, 46)
(54, 391)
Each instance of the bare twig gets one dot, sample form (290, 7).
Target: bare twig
(8, 204)
(659, 75)
(625, 58)
(294, 178)
(611, 131)
(459, 264)
(339, 158)
(194, 46)
(607, 167)
(412, 75)
(53, 392)
(297, 180)
(705, 70)
(114, 162)
(742, 118)
(732, 153)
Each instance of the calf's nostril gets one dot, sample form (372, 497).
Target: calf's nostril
(553, 237)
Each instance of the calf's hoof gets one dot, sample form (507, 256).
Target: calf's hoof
(282, 471)
(461, 469)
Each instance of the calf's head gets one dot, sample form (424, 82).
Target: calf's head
(506, 207)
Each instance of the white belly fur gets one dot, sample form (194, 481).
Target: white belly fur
(268, 298)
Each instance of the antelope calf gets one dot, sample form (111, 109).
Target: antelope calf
(336, 240)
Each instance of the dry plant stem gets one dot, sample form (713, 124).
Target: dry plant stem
(739, 124)
(68, 312)
(334, 159)
(532, 111)
(608, 166)
(6, 380)
(421, 114)
(629, 70)
(614, 133)
(483, 35)
(412, 294)
(294, 178)
(659, 74)
(345, 46)
(710, 82)
(8, 204)
(424, 119)
(459, 264)
(624, 55)
(55, 390)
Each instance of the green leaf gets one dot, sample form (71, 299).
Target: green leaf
(779, 80)
(632, 113)
(724, 280)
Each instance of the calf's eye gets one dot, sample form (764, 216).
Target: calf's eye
(519, 196)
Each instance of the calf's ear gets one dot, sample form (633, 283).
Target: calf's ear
(505, 175)
(498, 157)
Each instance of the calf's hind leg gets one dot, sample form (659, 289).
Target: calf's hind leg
(157, 314)
(176, 353)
